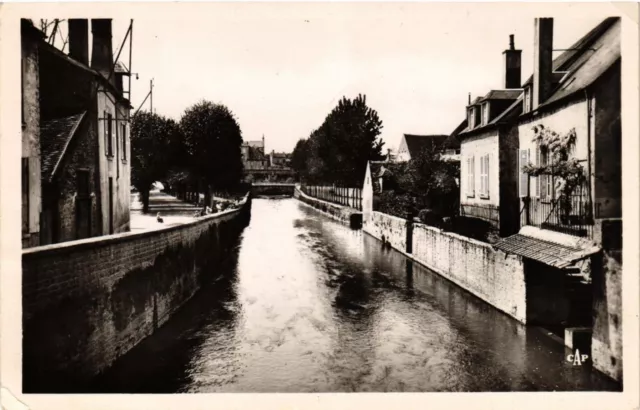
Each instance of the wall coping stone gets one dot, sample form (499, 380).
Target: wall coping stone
(106, 240)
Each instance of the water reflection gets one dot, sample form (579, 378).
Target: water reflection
(309, 305)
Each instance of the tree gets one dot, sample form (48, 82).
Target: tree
(213, 141)
(299, 157)
(431, 181)
(338, 151)
(150, 151)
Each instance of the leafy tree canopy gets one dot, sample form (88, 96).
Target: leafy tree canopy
(213, 141)
(338, 151)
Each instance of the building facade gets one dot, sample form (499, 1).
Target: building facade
(571, 233)
(84, 142)
(488, 152)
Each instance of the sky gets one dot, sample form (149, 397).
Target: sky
(282, 67)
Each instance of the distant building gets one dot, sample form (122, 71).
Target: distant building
(279, 159)
(411, 145)
(253, 155)
(76, 145)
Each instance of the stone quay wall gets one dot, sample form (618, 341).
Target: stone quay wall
(88, 302)
(340, 213)
(491, 275)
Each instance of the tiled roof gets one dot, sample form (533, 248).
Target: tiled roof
(511, 94)
(474, 102)
(549, 253)
(586, 60)
(48, 48)
(416, 143)
(55, 136)
(257, 144)
(452, 141)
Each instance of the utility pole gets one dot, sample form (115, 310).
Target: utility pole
(130, 55)
(151, 95)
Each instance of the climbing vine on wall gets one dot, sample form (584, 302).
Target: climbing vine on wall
(567, 171)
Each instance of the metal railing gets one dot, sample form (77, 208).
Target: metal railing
(571, 214)
(347, 196)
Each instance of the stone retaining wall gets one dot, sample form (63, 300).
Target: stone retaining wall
(88, 302)
(491, 275)
(338, 212)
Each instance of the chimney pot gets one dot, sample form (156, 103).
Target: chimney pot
(79, 40)
(512, 65)
(102, 52)
(542, 60)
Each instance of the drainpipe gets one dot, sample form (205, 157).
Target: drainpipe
(589, 151)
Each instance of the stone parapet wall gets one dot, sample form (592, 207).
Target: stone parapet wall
(88, 302)
(491, 275)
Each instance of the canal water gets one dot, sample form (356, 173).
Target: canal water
(305, 304)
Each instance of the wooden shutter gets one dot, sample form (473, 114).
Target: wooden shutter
(535, 186)
(486, 170)
(473, 175)
(523, 159)
(105, 121)
(469, 177)
(483, 174)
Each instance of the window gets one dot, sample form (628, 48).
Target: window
(527, 100)
(523, 159)
(124, 142)
(470, 177)
(545, 182)
(109, 134)
(477, 119)
(470, 120)
(484, 176)
(535, 181)
(82, 183)
(25, 195)
(485, 113)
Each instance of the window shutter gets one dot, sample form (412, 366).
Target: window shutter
(105, 125)
(486, 170)
(473, 175)
(524, 178)
(482, 175)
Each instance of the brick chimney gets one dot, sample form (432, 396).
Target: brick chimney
(79, 40)
(102, 53)
(512, 65)
(542, 60)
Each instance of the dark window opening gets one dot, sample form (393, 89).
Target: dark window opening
(82, 182)
(124, 142)
(109, 135)
(25, 195)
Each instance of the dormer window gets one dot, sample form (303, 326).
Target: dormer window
(470, 118)
(477, 121)
(485, 113)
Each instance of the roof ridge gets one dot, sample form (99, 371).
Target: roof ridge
(66, 145)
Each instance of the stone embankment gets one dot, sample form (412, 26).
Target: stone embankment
(341, 213)
(88, 302)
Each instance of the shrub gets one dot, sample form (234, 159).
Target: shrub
(430, 217)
